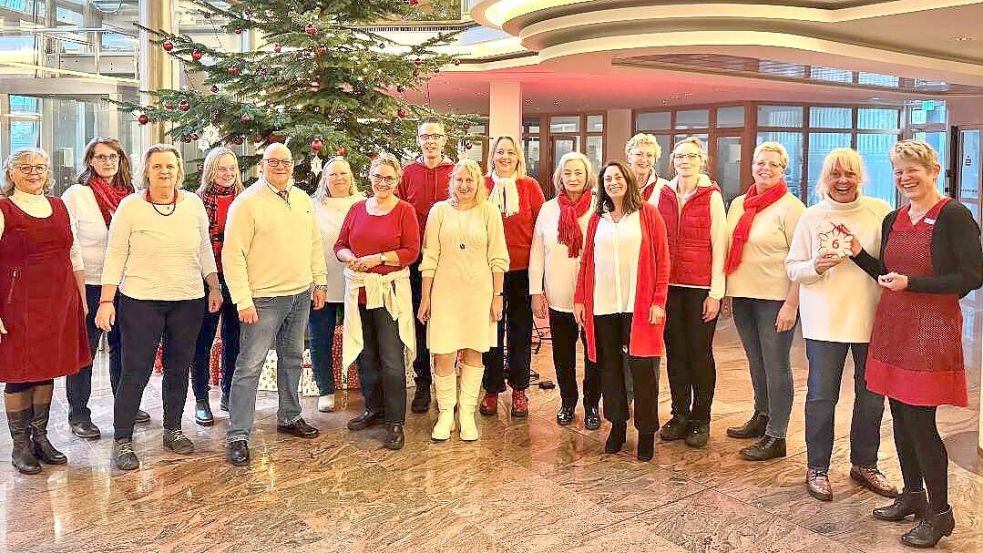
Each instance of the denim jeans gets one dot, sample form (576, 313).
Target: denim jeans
(321, 333)
(201, 366)
(282, 323)
(78, 387)
(826, 360)
(768, 360)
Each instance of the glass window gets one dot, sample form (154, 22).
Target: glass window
(779, 116)
(939, 141)
(595, 123)
(820, 144)
(880, 179)
(793, 143)
(663, 164)
(830, 74)
(877, 118)
(831, 118)
(567, 123)
(531, 146)
(876, 79)
(595, 150)
(25, 104)
(693, 119)
(727, 167)
(928, 112)
(530, 126)
(24, 134)
(730, 117)
(653, 121)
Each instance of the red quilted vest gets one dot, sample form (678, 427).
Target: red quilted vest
(690, 250)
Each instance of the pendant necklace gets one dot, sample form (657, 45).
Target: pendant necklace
(461, 232)
(172, 203)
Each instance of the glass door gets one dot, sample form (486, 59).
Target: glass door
(727, 167)
(969, 174)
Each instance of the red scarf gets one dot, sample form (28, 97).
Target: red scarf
(209, 197)
(754, 202)
(108, 196)
(570, 233)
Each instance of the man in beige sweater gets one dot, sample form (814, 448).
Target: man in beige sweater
(272, 259)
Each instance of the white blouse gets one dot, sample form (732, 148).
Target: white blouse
(550, 266)
(329, 214)
(93, 234)
(616, 251)
(38, 206)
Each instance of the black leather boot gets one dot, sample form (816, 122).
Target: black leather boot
(21, 455)
(646, 446)
(394, 436)
(421, 398)
(753, 428)
(592, 417)
(43, 449)
(617, 437)
(930, 530)
(908, 503)
(766, 448)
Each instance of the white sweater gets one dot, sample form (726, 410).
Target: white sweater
(93, 234)
(761, 274)
(38, 206)
(330, 214)
(549, 260)
(838, 305)
(153, 257)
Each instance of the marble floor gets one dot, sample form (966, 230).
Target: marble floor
(526, 485)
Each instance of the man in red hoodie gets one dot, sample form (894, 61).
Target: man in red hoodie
(425, 182)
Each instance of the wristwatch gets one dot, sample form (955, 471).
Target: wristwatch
(321, 287)
(382, 258)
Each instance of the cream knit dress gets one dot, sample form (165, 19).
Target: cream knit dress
(461, 249)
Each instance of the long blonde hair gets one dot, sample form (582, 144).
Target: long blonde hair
(321, 193)
(474, 170)
(209, 169)
(520, 164)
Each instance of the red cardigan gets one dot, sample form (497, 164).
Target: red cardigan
(519, 227)
(651, 289)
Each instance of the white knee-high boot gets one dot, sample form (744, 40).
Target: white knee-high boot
(446, 387)
(470, 389)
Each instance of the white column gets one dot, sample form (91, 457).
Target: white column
(618, 126)
(505, 109)
(156, 67)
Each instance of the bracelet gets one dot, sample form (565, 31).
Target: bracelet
(500, 294)
(106, 301)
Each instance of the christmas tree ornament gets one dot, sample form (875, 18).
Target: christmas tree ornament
(214, 89)
(234, 70)
(316, 145)
(836, 241)
(310, 29)
(184, 105)
(321, 50)
(245, 118)
(468, 145)
(167, 46)
(168, 106)
(186, 138)
(457, 61)
(418, 61)
(211, 134)
(238, 30)
(316, 165)
(277, 48)
(401, 112)
(341, 151)
(413, 2)
(196, 55)
(194, 136)
(238, 140)
(143, 119)
(400, 88)
(263, 72)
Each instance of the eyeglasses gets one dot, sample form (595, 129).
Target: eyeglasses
(384, 180)
(687, 157)
(280, 162)
(428, 137)
(769, 164)
(29, 169)
(102, 158)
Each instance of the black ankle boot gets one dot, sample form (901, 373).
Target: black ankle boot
(930, 530)
(617, 437)
(646, 446)
(21, 455)
(908, 503)
(754, 428)
(43, 449)
(766, 448)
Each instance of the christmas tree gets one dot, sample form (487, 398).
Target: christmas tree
(321, 81)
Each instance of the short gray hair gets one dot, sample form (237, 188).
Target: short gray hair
(14, 159)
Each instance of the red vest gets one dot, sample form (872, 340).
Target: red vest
(690, 249)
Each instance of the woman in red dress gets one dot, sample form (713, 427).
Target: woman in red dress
(41, 279)
(930, 257)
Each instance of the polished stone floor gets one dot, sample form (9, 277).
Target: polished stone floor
(526, 485)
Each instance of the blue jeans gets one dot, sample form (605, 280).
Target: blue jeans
(201, 366)
(321, 333)
(768, 360)
(826, 360)
(282, 322)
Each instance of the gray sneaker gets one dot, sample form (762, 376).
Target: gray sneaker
(176, 441)
(125, 458)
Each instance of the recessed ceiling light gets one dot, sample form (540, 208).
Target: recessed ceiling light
(963, 38)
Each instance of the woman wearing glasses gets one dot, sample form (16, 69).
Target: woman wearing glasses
(378, 240)
(643, 152)
(104, 182)
(761, 224)
(41, 280)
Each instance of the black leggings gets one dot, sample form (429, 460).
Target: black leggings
(921, 453)
(17, 387)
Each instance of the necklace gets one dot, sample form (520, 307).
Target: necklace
(172, 203)
(461, 233)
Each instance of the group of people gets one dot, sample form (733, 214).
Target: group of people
(442, 267)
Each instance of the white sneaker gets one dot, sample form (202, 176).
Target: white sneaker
(325, 404)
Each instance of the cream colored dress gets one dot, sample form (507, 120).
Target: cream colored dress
(461, 249)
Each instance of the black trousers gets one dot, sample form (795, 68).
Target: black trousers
(200, 364)
(142, 325)
(382, 357)
(78, 386)
(517, 321)
(689, 349)
(612, 336)
(421, 365)
(921, 453)
(564, 331)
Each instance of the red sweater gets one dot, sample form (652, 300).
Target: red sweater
(651, 288)
(688, 230)
(216, 228)
(366, 234)
(422, 187)
(519, 227)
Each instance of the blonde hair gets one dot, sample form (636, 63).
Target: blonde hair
(915, 151)
(322, 193)
(588, 171)
(843, 158)
(773, 147)
(643, 139)
(700, 145)
(14, 158)
(520, 165)
(474, 171)
(388, 160)
(142, 182)
(209, 169)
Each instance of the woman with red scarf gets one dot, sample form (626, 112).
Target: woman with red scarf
(554, 260)
(930, 257)
(761, 224)
(105, 180)
(621, 303)
(220, 184)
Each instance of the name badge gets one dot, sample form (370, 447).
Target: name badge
(929, 221)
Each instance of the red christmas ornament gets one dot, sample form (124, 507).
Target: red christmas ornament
(341, 151)
(457, 62)
(412, 2)
(234, 70)
(168, 106)
(418, 61)
(245, 118)
(321, 50)
(316, 145)
(214, 89)
(400, 88)
(263, 72)
(186, 138)
(194, 136)
(196, 55)
(467, 146)
(310, 29)
(167, 45)
(143, 119)
(184, 105)
(401, 113)
(238, 30)
(277, 47)
(238, 141)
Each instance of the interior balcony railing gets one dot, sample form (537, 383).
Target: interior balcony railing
(106, 52)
